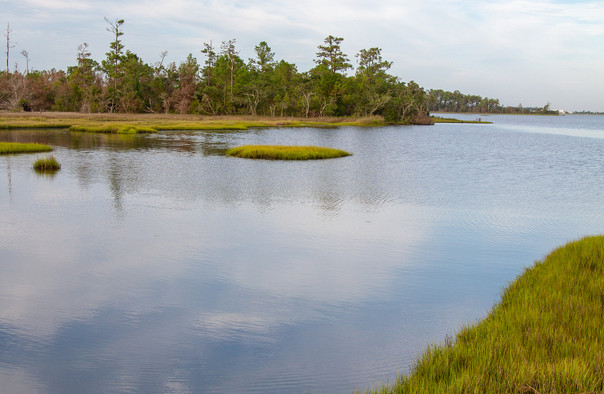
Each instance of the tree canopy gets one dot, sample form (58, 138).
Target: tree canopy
(223, 84)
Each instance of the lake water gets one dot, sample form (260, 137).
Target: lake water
(156, 264)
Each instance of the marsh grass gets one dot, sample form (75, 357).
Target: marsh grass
(546, 334)
(148, 123)
(35, 122)
(18, 147)
(280, 152)
(113, 129)
(47, 164)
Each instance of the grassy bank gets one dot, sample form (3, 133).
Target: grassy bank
(277, 152)
(438, 119)
(133, 123)
(18, 147)
(546, 335)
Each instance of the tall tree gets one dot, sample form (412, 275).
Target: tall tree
(265, 58)
(187, 84)
(328, 77)
(284, 79)
(371, 64)
(136, 84)
(9, 45)
(373, 83)
(84, 80)
(259, 89)
(111, 65)
(210, 62)
(228, 51)
(332, 56)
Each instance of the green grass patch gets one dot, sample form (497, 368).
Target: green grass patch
(18, 147)
(47, 164)
(280, 152)
(32, 122)
(113, 129)
(546, 335)
(137, 123)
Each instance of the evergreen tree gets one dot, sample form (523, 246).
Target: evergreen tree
(112, 64)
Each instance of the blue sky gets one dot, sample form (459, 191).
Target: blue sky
(520, 51)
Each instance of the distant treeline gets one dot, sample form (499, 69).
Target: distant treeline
(444, 101)
(222, 84)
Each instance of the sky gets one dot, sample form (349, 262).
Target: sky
(518, 51)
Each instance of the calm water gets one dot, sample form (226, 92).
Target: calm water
(156, 264)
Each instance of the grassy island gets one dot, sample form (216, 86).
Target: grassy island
(546, 335)
(18, 147)
(47, 164)
(114, 129)
(279, 152)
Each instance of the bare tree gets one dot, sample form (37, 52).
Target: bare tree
(8, 47)
(162, 55)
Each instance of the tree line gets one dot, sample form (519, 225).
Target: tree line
(222, 84)
(444, 101)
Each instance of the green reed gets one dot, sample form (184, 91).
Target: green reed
(546, 334)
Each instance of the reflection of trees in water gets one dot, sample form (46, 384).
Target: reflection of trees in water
(125, 172)
(10, 179)
(207, 143)
(328, 192)
(131, 162)
(114, 172)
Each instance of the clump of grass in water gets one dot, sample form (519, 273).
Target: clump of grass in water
(546, 335)
(18, 147)
(280, 152)
(47, 164)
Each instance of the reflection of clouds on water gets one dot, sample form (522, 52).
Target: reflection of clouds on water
(226, 326)
(571, 132)
(151, 267)
(295, 253)
(17, 380)
(170, 276)
(81, 264)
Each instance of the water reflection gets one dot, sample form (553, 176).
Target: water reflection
(9, 176)
(154, 263)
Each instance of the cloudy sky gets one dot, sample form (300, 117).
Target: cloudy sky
(527, 52)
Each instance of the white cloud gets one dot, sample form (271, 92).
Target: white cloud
(58, 4)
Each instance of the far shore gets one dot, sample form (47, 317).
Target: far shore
(123, 123)
(80, 121)
(153, 122)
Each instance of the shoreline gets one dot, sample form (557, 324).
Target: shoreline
(545, 334)
(95, 122)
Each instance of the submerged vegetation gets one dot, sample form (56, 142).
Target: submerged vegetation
(47, 164)
(18, 147)
(544, 336)
(280, 152)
